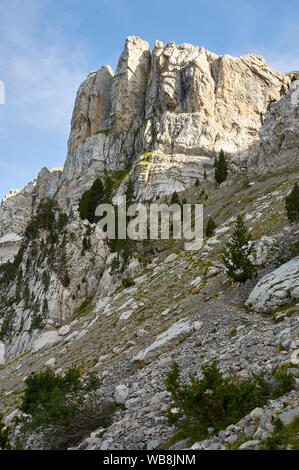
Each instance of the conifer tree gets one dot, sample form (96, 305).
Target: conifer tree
(237, 253)
(90, 200)
(210, 227)
(175, 198)
(292, 204)
(220, 168)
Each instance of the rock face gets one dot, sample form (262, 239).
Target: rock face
(92, 106)
(276, 289)
(164, 117)
(179, 105)
(130, 84)
(279, 135)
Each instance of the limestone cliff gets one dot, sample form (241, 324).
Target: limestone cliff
(163, 116)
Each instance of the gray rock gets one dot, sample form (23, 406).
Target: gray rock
(289, 416)
(153, 444)
(121, 394)
(250, 445)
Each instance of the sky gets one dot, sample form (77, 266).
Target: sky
(47, 47)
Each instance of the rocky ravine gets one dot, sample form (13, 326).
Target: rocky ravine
(161, 120)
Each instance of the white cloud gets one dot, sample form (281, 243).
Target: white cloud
(41, 71)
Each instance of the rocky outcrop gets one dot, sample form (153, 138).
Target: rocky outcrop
(92, 106)
(130, 84)
(279, 288)
(279, 135)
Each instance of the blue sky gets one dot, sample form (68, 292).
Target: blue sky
(48, 47)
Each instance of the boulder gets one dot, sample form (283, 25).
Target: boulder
(121, 394)
(276, 289)
(166, 341)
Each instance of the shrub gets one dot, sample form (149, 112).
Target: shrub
(220, 168)
(128, 282)
(292, 204)
(210, 227)
(4, 435)
(283, 436)
(237, 253)
(65, 408)
(215, 401)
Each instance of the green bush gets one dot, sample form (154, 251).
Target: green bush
(210, 228)
(128, 282)
(220, 168)
(59, 406)
(44, 219)
(292, 204)
(237, 253)
(216, 401)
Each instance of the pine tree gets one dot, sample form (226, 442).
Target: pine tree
(237, 253)
(220, 168)
(292, 204)
(90, 200)
(210, 227)
(175, 198)
(197, 182)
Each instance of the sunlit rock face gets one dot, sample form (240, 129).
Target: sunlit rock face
(163, 116)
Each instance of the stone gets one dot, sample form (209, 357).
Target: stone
(121, 394)
(170, 258)
(166, 340)
(213, 271)
(250, 445)
(51, 362)
(277, 288)
(2, 353)
(257, 414)
(196, 281)
(294, 359)
(64, 330)
(287, 417)
(153, 444)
